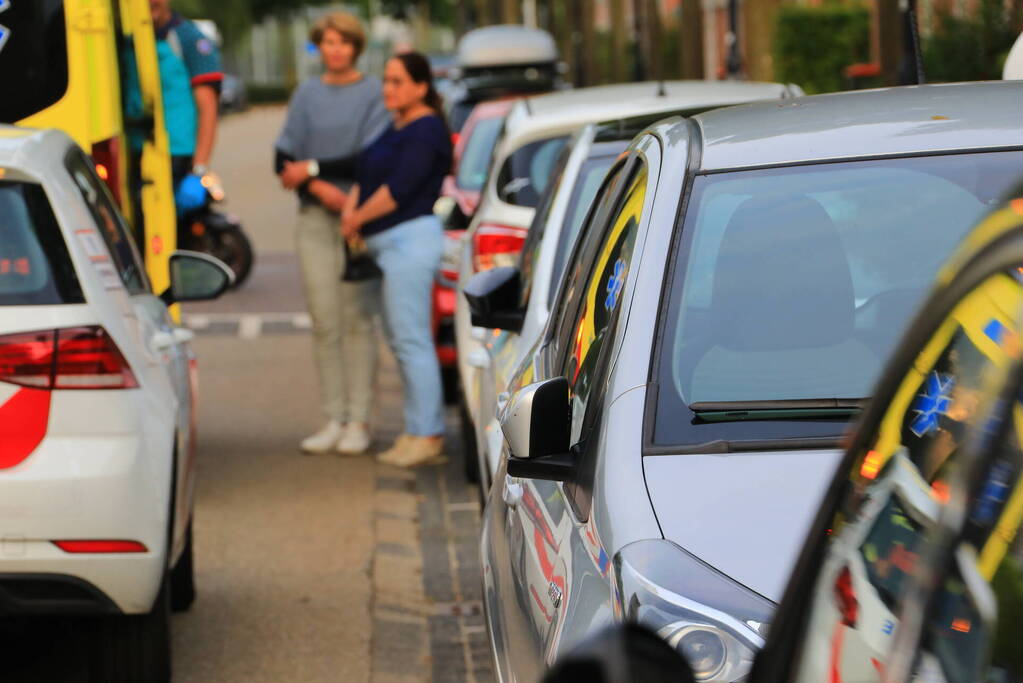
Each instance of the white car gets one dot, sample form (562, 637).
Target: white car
(97, 421)
(536, 131)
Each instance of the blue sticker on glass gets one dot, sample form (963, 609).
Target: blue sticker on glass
(5, 32)
(932, 403)
(995, 331)
(994, 493)
(615, 283)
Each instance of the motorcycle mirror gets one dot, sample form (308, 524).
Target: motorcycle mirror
(623, 653)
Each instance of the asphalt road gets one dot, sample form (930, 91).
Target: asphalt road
(308, 568)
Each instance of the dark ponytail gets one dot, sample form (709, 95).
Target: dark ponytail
(418, 68)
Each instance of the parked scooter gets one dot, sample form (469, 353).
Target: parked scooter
(219, 234)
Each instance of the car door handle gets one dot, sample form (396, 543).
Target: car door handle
(163, 340)
(512, 492)
(183, 335)
(478, 358)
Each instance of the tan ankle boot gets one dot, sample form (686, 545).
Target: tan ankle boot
(396, 447)
(414, 452)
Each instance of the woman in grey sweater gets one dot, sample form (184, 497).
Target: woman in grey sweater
(330, 119)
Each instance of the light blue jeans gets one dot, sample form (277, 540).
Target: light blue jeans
(410, 254)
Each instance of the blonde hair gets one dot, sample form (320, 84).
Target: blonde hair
(347, 25)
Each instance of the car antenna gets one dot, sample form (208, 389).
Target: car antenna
(660, 88)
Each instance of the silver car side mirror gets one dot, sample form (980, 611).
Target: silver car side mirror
(536, 424)
(195, 276)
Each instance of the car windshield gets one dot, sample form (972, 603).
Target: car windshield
(794, 284)
(33, 57)
(35, 268)
(475, 161)
(524, 174)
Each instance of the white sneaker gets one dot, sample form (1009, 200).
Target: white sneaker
(325, 439)
(354, 439)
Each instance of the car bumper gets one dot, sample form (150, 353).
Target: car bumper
(96, 476)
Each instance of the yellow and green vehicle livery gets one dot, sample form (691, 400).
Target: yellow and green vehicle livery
(62, 65)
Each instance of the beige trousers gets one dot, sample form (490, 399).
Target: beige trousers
(344, 345)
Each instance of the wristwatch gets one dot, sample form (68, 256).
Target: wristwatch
(200, 170)
(313, 168)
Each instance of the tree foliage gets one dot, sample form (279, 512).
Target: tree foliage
(970, 48)
(814, 45)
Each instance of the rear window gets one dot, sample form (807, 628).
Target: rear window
(33, 57)
(524, 174)
(475, 161)
(35, 268)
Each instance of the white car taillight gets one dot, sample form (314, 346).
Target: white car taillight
(497, 245)
(70, 358)
(450, 256)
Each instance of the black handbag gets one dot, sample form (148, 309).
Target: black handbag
(359, 263)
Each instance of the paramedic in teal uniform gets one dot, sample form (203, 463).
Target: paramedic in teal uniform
(190, 77)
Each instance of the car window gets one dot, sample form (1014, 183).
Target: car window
(479, 148)
(570, 294)
(110, 223)
(603, 293)
(795, 283)
(973, 630)
(459, 114)
(586, 185)
(538, 227)
(35, 267)
(33, 57)
(525, 172)
(900, 481)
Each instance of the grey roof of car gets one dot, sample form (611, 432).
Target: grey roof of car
(891, 121)
(31, 150)
(610, 99)
(566, 110)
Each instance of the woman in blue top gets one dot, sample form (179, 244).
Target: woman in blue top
(391, 207)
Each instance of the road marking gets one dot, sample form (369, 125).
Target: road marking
(250, 326)
(197, 322)
(247, 325)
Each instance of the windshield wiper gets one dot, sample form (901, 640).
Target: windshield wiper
(794, 409)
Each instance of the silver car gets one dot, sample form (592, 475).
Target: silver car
(741, 279)
(533, 135)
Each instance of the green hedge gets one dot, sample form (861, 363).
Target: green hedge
(814, 45)
(268, 94)
(970, 48)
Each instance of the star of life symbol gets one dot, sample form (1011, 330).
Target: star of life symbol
(614, 285)
(932, 403)
(5, 32)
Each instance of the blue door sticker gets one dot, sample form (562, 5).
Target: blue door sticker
(614, 285)
(5, 32)
(931, 403)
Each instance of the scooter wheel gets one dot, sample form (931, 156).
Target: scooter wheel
(234, 249)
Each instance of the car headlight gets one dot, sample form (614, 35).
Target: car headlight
(717, 624)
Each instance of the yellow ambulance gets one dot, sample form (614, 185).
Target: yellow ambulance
(61, 66)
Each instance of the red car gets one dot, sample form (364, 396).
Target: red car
(473, 148)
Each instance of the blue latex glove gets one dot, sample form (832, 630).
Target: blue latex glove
(190, 194)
